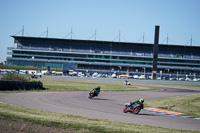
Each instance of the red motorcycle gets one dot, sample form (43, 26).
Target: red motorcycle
(134, 108)
(91, 94)
(94, 92)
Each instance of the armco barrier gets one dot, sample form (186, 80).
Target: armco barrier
(6, 85)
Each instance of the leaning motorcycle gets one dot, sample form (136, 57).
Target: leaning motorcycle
(136, 108)
(92, 94)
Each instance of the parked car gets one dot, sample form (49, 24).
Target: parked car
(172, 78)
(142, 77)
(95, 75)
(187, 79)
(80, 74)
(181, 79)
(114, 75)
(195, 79)
(159, 78)
(135, 76)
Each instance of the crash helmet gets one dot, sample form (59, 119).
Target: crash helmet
(98, 87)
(141, 100)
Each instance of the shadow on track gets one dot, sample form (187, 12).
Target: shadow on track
(147, 114)
(99, 99)
(142, 114)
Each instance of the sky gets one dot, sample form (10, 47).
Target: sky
(133, 20)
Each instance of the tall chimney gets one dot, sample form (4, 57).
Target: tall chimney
(155, 52)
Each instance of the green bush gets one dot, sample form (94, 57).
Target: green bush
(15, 76)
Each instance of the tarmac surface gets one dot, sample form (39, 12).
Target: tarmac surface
(108, 105)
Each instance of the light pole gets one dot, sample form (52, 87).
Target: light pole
(177, 75)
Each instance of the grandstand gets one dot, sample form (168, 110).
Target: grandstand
(102, 56)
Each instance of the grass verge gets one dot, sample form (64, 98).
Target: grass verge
(72, 85)
(66, 121)
(189, 105)
(161, 84)
(177, 85)
(13, 67)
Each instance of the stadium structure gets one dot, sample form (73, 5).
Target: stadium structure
(103, 56)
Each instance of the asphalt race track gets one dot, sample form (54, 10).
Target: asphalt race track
(109, 105)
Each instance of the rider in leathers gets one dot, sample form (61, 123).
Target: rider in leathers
(96, 91)
(140, 101)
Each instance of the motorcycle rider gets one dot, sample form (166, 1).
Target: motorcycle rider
(96, 90)
(127, 82)
(140, 101)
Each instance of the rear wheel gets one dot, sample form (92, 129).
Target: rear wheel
(136, 110)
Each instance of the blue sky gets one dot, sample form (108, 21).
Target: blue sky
(132, 18)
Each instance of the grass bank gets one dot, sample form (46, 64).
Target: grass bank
(78, 85)
(188, 86)
(65, 121)
(189, 105)
(28, 68)
(99, 82)
(176, 85)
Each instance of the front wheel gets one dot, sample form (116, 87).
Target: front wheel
(90, 97)
(125, 110)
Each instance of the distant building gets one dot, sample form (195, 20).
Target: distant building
(103, 56)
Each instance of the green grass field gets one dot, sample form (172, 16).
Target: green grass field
(72, 85)
(189, 105)
(84, 85)
(65, 121)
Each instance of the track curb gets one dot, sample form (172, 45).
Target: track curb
(171, 113)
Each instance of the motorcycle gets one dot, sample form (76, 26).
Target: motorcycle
(127, 83)
(92, 94)
(136, 108)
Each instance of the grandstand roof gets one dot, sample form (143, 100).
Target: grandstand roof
(18, 38)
